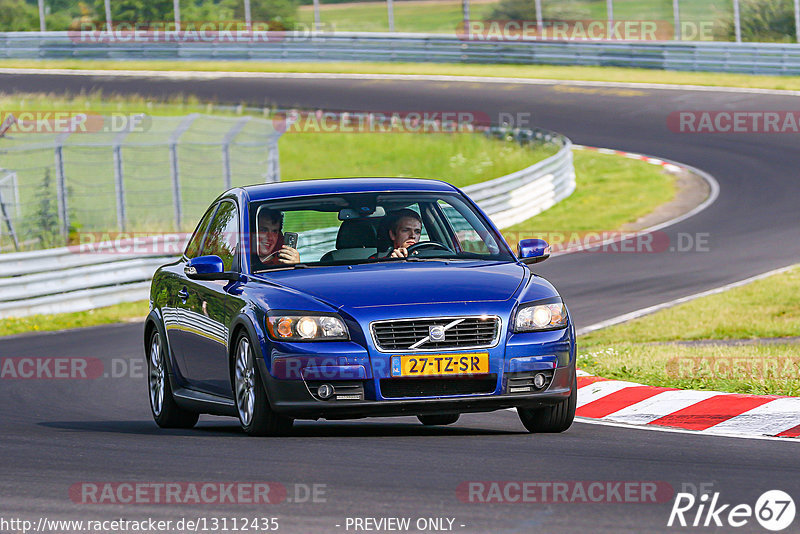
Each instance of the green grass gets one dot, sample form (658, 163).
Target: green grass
(765, 308)
(412, 16)
(459, 159)
(44, 323)
(756, 370)
(544, 72)
(611, 191)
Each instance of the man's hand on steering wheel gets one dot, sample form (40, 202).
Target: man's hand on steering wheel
(422, 245)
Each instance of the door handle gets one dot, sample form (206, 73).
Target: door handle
(183, 294)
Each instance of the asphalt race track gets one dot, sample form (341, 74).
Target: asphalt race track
(56, 434)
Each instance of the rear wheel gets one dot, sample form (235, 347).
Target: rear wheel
(551, 419)
(438, 419)
(255, 414)
(166, 413)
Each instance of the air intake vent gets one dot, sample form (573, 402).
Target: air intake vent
(393, 388)
(526, 382)
(438, 333)
(351, 390)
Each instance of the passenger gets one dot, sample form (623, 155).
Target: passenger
(269, 247)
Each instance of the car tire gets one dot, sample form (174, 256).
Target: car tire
(166, 412)
(252, 405)
(438, 419)
(551, 419)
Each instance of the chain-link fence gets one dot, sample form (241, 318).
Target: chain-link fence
(124, 172)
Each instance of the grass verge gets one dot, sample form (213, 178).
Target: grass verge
(545, 72)
(767, 308)
(62, 321)
(636, 188)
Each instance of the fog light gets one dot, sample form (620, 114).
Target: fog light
(539, 380)
(325, 391)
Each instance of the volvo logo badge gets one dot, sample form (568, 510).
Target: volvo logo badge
(436, 333)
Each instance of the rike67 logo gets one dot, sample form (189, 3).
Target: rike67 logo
(774, 510)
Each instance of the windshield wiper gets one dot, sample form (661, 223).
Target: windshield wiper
(284, 267)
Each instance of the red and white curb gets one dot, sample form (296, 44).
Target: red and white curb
(707, 412)
(667, 165)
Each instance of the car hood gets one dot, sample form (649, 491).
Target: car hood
(391, 284)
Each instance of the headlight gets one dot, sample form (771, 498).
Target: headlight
(297, 326)
(545, 316)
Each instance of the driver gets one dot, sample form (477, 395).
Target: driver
(404, 232)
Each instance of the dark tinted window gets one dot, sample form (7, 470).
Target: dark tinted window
(223, 235)
(193, 248)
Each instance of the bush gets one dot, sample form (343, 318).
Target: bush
(526, 10)
(16, 16)
(762, 21)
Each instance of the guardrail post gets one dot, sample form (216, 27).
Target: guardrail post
(174, 167)
(120, 187)
(226, 150)
(676, 12)
(390, 10)
(797, 19)
(737, 22)
(4, 214)
(316, 15)
(273, 160)
(610, 10)
(539, 16)
(41, 16)
(119, 183)
(61, 186)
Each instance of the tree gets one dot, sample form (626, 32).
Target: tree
(762, 21)
(136, 11)
(16, 15)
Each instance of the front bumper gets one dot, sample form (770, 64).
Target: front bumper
(293, 398)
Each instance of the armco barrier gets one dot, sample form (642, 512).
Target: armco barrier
(66, 280)
(754, 58)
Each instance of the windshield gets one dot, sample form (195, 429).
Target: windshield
(369, 227)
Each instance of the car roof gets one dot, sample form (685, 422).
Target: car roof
(325, 186)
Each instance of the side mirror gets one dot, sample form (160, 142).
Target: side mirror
(532, 251)
(208, 268)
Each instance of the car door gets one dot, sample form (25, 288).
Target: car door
(178, 301)
(211, 306)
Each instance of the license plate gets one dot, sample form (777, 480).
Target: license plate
(440, 364)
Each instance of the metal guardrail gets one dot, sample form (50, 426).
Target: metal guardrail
(76, 278)
(754, 58)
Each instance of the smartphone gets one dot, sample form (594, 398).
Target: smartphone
(290, 239)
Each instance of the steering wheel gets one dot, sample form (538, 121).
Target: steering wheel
(424, 245)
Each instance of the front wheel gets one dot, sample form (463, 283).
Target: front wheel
(551, 419)
(438, 419)
(166, 413)
(255, 414)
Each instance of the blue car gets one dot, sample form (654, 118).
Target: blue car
(351, 298)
